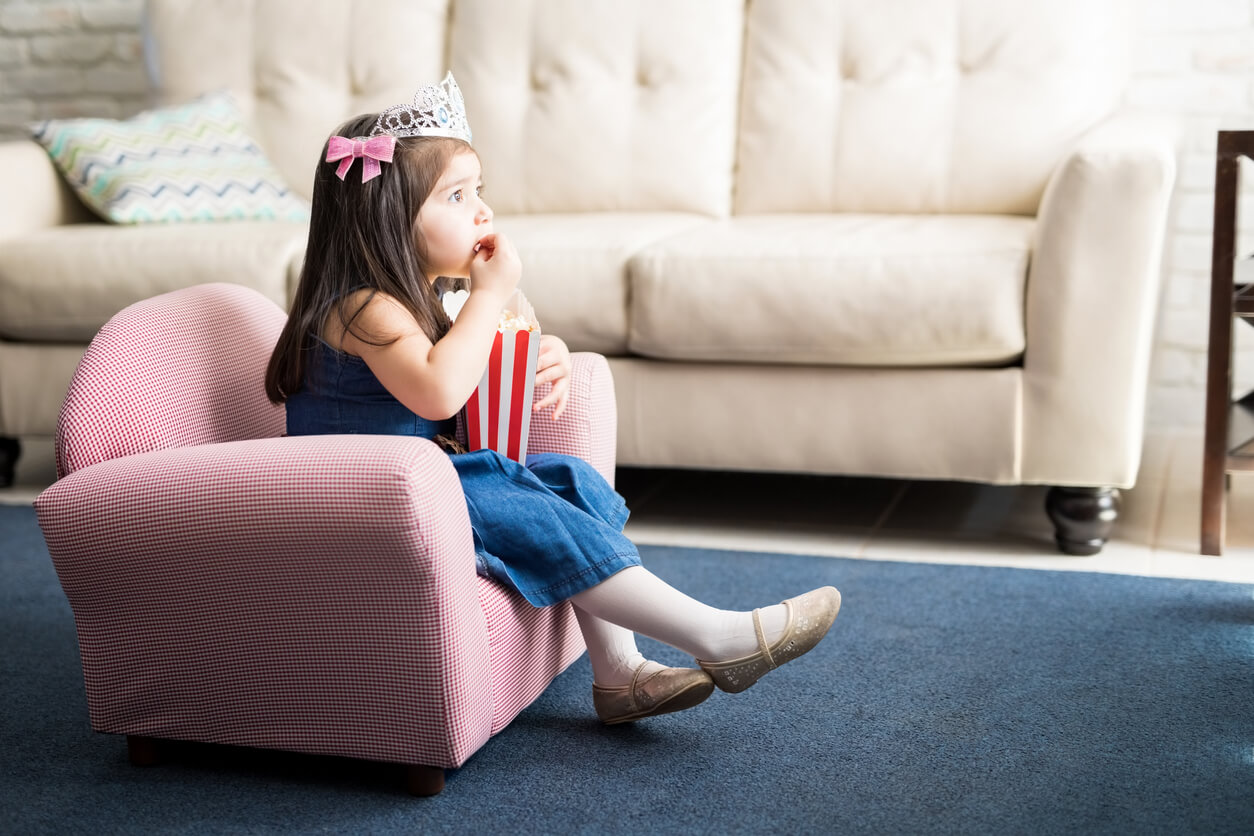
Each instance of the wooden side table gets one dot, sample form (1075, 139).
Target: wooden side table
(1229, 439)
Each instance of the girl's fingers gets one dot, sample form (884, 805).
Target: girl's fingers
(553, 366)
(485, 247)
(563, 387)
(550, 346)
(551, 374)
(558, 396)
(549, 356)
(550, 369)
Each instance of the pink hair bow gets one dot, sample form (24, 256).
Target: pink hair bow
(372, 151)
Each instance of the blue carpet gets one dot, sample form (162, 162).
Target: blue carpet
(948, 699)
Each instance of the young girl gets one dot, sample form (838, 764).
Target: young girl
(368, 348)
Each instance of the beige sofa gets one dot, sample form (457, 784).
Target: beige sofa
(912, 239)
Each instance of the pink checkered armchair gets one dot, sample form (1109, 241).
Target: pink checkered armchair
(314, 594)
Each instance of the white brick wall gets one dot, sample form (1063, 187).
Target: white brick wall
(65, 58)
(1194, 61)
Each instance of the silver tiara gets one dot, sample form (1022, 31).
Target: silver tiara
(437, 110)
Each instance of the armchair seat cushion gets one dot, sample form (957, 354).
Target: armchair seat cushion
(835, 289)
(63, 283)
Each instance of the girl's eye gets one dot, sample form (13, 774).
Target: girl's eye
(456, 197)
(479, 191)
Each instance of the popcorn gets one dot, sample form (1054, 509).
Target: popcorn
(498, 414)
(511, 321)
(518, 314)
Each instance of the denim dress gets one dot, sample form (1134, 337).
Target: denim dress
(549, 530)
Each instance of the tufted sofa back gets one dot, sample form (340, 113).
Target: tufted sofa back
(709, 106)
(298, 67)
(921, 105)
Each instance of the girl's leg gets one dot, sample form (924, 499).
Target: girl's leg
(626, 686)
(611, 649)
(641, 602)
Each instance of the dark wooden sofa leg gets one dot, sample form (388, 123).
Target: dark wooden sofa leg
(1082, 517)
(143, 751)
(424, 780)
(10, 449)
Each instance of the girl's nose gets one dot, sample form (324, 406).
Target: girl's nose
(485, 213)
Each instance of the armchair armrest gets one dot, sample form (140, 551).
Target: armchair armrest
(316, 578)
(1093, 290)
(588, 427)
(36, 195)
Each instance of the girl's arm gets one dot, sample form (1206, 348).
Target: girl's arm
(436, 380)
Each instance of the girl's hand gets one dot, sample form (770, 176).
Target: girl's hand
(495, 267)
(553, 366)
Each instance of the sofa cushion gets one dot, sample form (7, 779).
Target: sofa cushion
(63, 283)
(862, 290)
(193, 162)
(575, 269)
(921, 105)
(904, 423)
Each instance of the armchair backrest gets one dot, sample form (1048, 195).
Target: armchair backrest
(177, 370)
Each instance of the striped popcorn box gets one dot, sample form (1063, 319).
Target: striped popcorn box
(498, 414)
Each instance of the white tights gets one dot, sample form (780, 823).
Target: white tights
(637, 601)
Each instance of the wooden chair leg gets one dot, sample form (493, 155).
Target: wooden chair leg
(143, 751)
(425, 780)
(1215, 485)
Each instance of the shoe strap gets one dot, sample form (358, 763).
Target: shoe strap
(631, 693)
(766, 651)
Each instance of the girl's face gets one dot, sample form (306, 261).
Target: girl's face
(454, 218)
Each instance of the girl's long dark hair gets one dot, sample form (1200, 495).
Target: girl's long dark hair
(363, 235)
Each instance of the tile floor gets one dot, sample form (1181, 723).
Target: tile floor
(945, 522)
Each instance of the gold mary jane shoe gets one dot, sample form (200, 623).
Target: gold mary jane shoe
(809, 618)
(660, 692)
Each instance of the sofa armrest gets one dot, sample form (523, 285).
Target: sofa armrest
(1093, 290)
(588, 427)
(35, 195)
(317, 578)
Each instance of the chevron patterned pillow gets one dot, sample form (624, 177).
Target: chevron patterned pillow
(193, 162)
